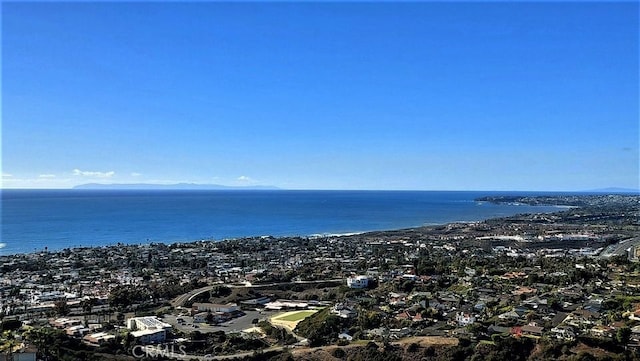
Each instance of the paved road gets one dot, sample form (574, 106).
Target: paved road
(620, 248)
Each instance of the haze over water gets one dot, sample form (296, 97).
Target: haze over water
(57, 219)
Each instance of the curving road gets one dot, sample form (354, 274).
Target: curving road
(620, 248)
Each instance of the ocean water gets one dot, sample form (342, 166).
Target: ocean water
(58, 219)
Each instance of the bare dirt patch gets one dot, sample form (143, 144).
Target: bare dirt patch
(326, 352)
(425, 341)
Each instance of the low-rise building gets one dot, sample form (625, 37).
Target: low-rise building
(147, 323)
(97, 339)
(215, 307)
(260, 301)
(289, 304)
(464, 319)
(358, 282)
(149, 336)
(200, 317)
(531, 330)
(63, 323)
(148, 330)
(563, 332)
(77, 331)
(344, 311)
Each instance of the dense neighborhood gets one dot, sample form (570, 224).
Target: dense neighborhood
(555, 285)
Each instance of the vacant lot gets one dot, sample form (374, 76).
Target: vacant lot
(296, 316)
(290, 319)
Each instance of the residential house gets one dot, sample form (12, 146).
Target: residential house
(493, 329)
(602, 331)
(564, 332)
(532, 330)
(62, 323)
(358, 282)
(464, 319)
(343, 311)
(97, 339)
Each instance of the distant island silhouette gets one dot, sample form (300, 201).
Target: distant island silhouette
(177, 186)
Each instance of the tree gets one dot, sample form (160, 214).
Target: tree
(369, 319)
(87, 305)
(128, 341)
(339, 353)
(623, 335)
(196, 336)
(123, 296)
(475, 328)
(47, 340)
(61, 308)
(220, 291)
(407, 286)
(531, 315)
(10, 325)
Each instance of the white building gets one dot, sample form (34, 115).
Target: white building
(147, 323)
(563, 333)
(146, 337)
(148, 329)
(464, 319)
(343, 311)
(358, 282)
(286, 304)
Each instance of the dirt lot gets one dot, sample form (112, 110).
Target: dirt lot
(325, 352)
(425, 341)
(285, 319)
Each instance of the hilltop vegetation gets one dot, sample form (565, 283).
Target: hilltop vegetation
(320, 328)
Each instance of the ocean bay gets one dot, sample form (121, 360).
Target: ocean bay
(57, 219)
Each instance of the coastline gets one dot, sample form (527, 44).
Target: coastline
(282, 227)
(403, 263)
(263, 237)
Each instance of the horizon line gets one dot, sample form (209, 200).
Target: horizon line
(276, 189)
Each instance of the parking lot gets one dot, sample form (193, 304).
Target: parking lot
(234, 325)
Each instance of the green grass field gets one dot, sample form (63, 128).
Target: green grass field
(296, 316)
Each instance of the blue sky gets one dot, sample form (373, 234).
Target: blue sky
(434, 96)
